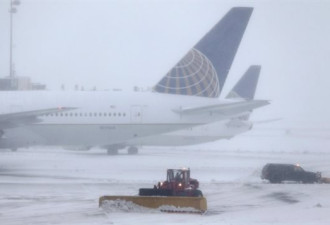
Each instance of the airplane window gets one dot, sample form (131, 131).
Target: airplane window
(81, 114)
(100, 114)
(90, 114)
(105, 114)
(95, 114)
(114, 114)
(119, 114)
(124, 114)
(109, 114)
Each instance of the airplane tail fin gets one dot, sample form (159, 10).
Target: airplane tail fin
(246, 86)
(204, 69)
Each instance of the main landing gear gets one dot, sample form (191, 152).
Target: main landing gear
(132, 150)
(114, 150)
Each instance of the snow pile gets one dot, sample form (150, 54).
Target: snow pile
(124, 206)
(118, 205)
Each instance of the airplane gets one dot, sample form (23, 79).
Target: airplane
(225, 129)
(57, 118)
(245, 89)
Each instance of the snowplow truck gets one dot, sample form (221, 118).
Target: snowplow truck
(178, 193)
(178, 183)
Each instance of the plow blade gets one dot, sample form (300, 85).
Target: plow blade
(165, 204)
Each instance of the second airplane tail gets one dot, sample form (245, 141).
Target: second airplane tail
(246, 87)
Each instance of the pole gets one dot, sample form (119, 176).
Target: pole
(13, 9)
(11, 41)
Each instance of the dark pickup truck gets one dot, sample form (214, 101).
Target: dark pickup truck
(276, 173)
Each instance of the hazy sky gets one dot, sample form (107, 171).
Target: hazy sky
(120, 44)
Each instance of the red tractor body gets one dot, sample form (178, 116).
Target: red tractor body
(178, 183)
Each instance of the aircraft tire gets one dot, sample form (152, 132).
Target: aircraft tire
(112, 151)
(132, 150)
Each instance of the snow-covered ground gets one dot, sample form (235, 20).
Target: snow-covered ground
(55, 186)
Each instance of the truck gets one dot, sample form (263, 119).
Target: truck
(277, 172)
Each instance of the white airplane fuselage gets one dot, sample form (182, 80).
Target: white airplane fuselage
(225, 129)
(100, 118)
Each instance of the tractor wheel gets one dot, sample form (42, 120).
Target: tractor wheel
(154, 192)
(197, 193)
(147, 191)
(189, 193)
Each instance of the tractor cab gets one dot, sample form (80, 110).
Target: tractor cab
(179, 180)
(178, 176)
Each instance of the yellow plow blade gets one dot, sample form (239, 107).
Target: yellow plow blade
(164, 203)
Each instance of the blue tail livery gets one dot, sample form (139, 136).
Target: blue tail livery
(204, 69)
(246, 86)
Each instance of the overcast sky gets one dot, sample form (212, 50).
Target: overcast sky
(120, 44)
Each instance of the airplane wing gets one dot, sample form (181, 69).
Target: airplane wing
(9, 120)
(266, 121)
(225, 108)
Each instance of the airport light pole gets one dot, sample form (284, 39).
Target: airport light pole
(12, 10)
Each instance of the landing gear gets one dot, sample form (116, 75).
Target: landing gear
(132, 150)
(112, 151)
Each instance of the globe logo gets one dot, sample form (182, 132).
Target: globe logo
(193, 75)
